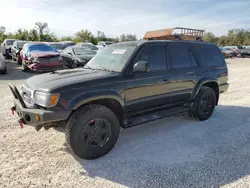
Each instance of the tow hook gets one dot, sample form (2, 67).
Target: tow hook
(13, 109)
(20, 121)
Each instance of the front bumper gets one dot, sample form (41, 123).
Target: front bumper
(44, 67)
(32, 116)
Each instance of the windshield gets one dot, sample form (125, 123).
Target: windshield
(91, 47)
(112, 58)
(57, 46)
(83, 51)
(41, 47)
(20, 44)
(10, 42)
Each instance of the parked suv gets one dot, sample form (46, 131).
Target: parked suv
(124, 85)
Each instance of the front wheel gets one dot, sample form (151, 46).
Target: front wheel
(25, 68)
(92, 131)
(204, 104)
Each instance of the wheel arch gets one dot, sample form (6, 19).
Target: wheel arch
(111, 100)
(212, 83)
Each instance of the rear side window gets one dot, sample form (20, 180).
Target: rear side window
(210, 54)
(156, 57)
(181, 56)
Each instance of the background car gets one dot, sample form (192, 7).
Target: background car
(227, 53)
(15, 50)
(3, 69)
(67, 43)
(6, 47)
(104, 43)
(99, 47)
(41, 57)
(76, 56)
(88, 45)
(57, 45)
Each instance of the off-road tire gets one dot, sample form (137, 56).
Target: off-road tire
(196, 111)
(77, 123)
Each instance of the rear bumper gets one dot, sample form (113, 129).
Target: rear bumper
(224, 87)
(34, 117)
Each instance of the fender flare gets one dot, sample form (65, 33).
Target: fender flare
(94, 95)
(202, 82)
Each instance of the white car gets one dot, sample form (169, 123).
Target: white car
(3, 69)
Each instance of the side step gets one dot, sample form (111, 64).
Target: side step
(153, 116)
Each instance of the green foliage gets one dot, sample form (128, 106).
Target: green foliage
(41, 32)
(235, 37)
(127, 37)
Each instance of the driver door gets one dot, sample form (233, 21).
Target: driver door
(149, 90)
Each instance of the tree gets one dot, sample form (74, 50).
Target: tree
(101, 36)
(209, 37)
(84, 35)
(127, 37)
(42, 29)
(33, 35)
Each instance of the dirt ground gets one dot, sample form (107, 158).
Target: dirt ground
(171, 152)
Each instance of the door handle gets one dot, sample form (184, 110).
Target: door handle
(165, 79)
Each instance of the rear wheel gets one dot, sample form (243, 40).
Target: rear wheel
(204, 104)
(92, 131)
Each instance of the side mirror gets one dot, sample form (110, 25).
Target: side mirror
(69, 53)
(141, 66)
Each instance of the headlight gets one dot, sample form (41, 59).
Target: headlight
(46, 99)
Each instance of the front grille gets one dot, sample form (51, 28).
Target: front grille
(27, 96)
(47, 59)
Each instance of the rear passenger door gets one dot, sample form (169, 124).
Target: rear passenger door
(184, 71)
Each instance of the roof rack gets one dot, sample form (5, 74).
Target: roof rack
(176, 33)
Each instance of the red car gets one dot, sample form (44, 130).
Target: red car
(40, 57)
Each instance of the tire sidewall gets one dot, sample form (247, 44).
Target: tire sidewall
(80, 123)
(204, 92)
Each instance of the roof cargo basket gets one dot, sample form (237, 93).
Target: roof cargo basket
(176, 33)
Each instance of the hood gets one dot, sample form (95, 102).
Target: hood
(37, 54)
(57, 79)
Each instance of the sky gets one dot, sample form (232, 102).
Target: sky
(114, 17)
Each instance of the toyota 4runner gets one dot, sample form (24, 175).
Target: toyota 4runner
(123, 85)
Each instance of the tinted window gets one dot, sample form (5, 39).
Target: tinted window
(180, 55)
(9, 42)
(210, 54)
(156, 57)
(192, 58)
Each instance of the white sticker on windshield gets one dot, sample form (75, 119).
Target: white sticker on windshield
(118, 51)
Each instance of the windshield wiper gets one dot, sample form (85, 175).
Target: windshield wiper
(103, 68)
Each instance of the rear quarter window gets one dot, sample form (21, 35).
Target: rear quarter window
(210, 54)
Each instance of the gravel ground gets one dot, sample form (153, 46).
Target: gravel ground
(171, 152)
